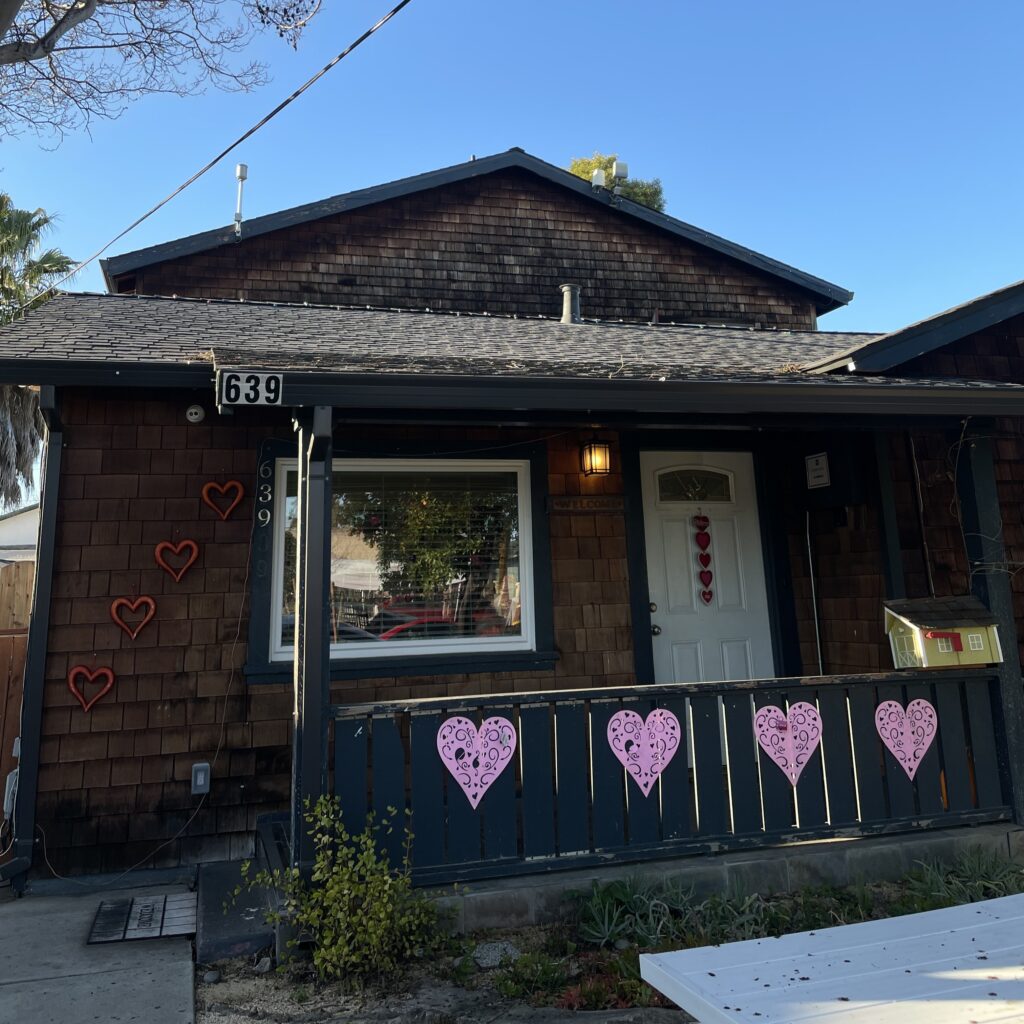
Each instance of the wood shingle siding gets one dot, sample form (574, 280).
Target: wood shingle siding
(501, 243)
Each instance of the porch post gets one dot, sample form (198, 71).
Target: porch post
(893, 552)
(983, 535)
(312, 635)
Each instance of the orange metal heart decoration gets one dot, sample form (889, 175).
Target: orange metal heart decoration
(176, 549)
(105, 674)
(222, 489)
(133, 606)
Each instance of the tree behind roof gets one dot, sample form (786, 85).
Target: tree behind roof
(26, 274)
(647, 191)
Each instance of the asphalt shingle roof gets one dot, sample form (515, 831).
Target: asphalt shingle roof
(135, 329)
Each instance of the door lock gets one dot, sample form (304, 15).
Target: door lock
(655, 630)
(653, 607)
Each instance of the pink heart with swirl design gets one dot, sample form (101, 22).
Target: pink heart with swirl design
(644, 749)
(789, 740)
(474, 758)
(907, 734)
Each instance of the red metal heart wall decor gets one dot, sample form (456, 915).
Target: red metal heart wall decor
(120, 603)
(90, 676)
(176, 549)
(222, 489)
(702, 538)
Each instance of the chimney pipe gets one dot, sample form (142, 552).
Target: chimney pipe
(570, 303)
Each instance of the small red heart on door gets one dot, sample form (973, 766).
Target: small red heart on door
(132, 606)
(705, 578)
(706, 596)
(704, 558)
(703, 540)
(101, 674)
(222, 489)
(701, 522)
(178, 551)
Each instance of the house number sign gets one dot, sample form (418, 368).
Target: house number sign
(238, 387)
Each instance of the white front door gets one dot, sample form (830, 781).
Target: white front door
(705, 567)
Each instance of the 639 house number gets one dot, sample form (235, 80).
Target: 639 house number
(240, 388)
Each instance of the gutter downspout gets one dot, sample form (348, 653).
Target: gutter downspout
(35, 656)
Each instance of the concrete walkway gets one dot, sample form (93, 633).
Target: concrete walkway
(48, 975)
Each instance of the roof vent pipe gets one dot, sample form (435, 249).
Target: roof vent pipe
(570, 303)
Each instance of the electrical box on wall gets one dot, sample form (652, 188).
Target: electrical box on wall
(830, 471)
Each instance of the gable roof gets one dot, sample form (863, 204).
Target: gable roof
(365, 358)
(884, 351)
(826, 296)
(942, 612)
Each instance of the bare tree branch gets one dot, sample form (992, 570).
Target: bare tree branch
(65, 62)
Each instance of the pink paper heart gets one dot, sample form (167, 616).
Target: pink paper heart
(476, 759)
(707, 596)
(644, 748)
(704, 558)
(908, 734)
(789, 740)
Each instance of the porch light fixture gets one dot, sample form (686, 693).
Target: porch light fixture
(596, 458)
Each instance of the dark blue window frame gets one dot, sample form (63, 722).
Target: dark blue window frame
(259, 668)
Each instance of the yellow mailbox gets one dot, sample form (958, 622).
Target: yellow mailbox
(941, 632)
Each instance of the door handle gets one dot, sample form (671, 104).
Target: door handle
(655, 630)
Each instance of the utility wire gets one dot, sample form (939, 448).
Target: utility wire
(220, 156)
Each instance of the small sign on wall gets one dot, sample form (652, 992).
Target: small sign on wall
(817, 471)
(586, 503)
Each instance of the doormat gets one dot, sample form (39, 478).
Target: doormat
(144, 917)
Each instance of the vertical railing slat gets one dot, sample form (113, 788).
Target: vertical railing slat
(351, 780)
(643, 813)
(463, 819)
(776, 791)
(535, 743)
(983, 742)
(572, 790)
(810, 791)
(899, 787)
(838, 758)
(867, 754)
(927, 781)
(499, 806)
(609, 801)
(427, 798)
(952, 741)
(388, 775)
(744, 783)
(708, 766)
(677, 814)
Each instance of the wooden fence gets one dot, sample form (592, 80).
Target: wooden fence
(566, 801)
(16, 582)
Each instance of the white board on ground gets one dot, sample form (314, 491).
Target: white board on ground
(962, 965)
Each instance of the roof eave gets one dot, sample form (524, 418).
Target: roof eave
(899, 347)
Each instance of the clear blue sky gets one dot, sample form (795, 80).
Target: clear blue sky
(877, 145)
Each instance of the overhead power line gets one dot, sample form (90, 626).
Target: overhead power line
(224, 152)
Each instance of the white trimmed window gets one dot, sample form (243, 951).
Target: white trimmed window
(975, 642)
(427, 557)
(945, 645)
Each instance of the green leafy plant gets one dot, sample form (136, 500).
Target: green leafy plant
(359, 915)
(976, 874)
(531, 975)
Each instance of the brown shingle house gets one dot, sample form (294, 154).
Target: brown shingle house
(358, 478)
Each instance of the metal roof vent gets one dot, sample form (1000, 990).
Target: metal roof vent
(570, 303)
